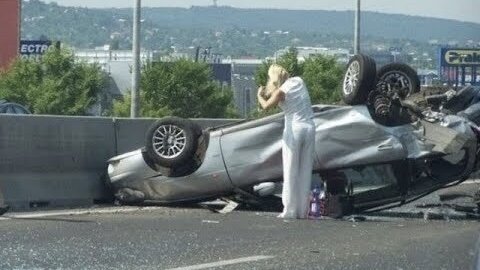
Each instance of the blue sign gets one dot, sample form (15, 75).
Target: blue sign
(34, 48)
(453, 57)
(459, 66)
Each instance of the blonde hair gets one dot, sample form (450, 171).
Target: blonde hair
(277, 75)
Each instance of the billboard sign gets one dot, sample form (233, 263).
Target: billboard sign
(460, 66)
(34, 49)
(452, 57)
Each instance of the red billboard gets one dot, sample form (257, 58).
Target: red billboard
(9, 31)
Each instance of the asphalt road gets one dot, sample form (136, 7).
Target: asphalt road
(189, 238)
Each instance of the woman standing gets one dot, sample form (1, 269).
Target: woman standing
(298, 147)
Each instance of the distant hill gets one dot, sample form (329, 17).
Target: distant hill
(336, 22)
(231, 30)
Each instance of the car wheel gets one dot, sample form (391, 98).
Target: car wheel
(172, 141)
(359, 79)
(399, 78)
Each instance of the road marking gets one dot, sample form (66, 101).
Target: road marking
(224, 263)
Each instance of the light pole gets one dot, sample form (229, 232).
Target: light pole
(134, 107)
(356, 38)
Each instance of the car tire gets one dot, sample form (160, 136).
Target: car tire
(172, 141)
(400, 77)
(359, 79)
(197, 129)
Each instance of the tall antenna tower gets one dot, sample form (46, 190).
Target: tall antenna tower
(215, 3)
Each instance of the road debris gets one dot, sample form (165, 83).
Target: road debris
(231, 205)
(210, 221)
(355, 218)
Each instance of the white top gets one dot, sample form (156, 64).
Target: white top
(297, 105)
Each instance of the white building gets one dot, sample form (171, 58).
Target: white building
(104, 56)
(342, 55)
(117, 65)
(243, 84)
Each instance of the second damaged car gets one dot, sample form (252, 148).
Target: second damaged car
(380, 149)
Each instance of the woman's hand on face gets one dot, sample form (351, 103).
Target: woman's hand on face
(272, 100)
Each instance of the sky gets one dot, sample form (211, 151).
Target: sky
(462, 10)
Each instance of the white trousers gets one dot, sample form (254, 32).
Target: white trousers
(298, 151)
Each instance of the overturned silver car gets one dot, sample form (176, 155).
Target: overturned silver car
(380, 149)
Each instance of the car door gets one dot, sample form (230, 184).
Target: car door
(348, 136)
(252, 151)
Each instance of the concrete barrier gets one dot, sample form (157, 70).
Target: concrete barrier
(50, 161)
(61, 161)
(130, 133)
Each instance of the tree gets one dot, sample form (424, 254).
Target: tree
(289, 61)
(55, 84)
(322, 75)
(182, 88)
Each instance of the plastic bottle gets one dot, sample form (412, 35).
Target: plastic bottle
(315, 211)
(322, 202)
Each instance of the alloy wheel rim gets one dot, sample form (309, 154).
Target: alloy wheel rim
(398, 82)
(169, 141)
(351, 78)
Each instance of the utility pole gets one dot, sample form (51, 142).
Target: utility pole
(356, 41)
(134, 107)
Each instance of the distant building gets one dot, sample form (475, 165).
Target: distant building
(427, 76)
(243, 84)
(117, 66)
(222, 73)
(103, 55)
(342, 55)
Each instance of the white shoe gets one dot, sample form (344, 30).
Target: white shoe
(285, 215)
